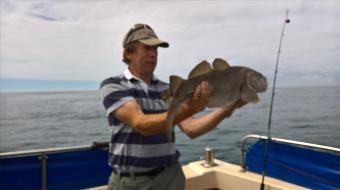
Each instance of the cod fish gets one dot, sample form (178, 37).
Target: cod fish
(228, 85)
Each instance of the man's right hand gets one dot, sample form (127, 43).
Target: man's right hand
(195, 104)
(199, 99)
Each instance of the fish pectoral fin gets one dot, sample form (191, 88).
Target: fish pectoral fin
(175, 83)
(248, 94)
(200, 69)
(220, 64)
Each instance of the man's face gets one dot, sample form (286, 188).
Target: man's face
(144, 59)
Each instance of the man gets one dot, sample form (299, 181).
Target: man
(140, 153)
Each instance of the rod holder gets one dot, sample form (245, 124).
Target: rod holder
(209, 158)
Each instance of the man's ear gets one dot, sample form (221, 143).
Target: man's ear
(127, 56)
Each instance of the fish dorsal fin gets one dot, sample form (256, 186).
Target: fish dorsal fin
(200, 69)
(220, 64)
(175, 82)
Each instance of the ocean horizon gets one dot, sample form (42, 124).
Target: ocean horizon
(18, 85)
(40, 85)
(50, 119)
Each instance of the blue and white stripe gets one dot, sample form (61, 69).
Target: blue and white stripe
(129, 150)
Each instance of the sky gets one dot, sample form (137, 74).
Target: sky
(74, 41)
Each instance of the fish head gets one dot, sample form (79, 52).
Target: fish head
(256, 81)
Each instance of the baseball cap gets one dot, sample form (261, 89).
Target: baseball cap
(144, 34)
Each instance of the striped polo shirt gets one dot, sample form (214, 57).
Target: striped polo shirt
(129, 150)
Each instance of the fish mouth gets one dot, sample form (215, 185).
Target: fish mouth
(263, 84)
(258, 82)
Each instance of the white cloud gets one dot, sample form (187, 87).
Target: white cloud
(81, 40)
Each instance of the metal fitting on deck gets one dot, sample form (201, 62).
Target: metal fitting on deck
(209, 158)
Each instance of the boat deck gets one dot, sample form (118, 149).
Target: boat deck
(225, 176)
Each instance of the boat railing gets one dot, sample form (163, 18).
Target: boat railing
(41, 152)
(42, 155)
(285, 141)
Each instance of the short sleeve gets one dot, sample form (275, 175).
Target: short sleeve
(113, 94)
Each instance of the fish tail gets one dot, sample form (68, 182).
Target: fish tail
(169, 119)
(169, 133)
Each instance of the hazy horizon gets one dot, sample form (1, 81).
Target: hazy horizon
(70, 86)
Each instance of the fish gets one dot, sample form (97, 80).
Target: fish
(228, 84)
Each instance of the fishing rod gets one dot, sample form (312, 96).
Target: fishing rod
(286, 21)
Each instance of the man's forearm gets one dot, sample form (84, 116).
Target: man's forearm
(183, 112)
(199, 126)
(151, 124)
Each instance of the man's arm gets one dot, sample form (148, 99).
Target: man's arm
(131, 113)
(194, 127)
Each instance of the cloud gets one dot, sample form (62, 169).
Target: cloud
(81, 40)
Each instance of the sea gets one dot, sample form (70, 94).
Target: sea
(36, 120)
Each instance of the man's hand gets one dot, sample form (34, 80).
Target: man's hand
(240, 103)
(230, 109)
(199, 99)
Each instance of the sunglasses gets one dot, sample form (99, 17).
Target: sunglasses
(135, 29)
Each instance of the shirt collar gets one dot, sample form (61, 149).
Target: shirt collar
(128, 75)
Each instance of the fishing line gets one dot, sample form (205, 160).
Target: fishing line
(286, 20)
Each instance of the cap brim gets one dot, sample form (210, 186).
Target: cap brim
(155, 42)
